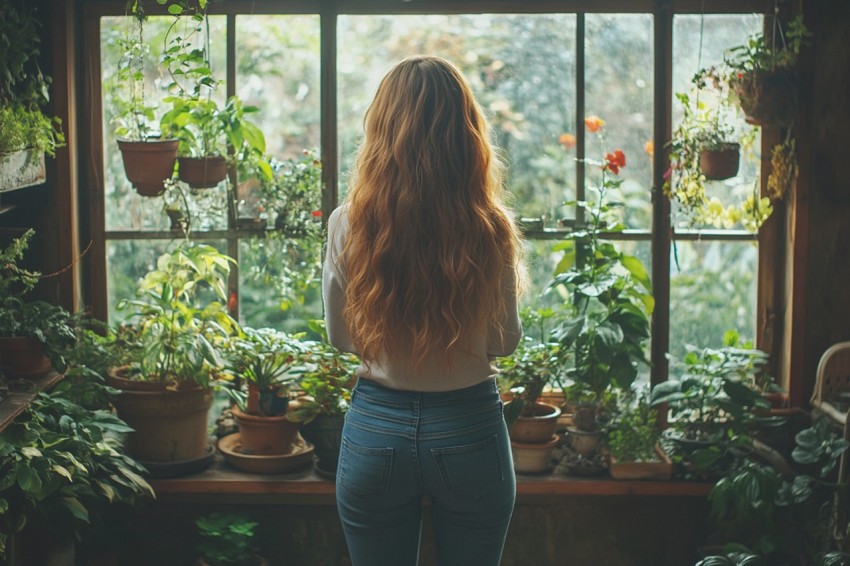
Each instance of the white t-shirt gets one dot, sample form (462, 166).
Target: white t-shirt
(470, 364)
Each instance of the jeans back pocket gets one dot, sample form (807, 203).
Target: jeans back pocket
(470, 470)
(364, 471)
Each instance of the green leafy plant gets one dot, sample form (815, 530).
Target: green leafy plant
(609, 295)
(325, 379)
(633, 433)
(263, 358)
(62, 466)
(759, 53)
(227, 539)
(24, 89)
(178, 330)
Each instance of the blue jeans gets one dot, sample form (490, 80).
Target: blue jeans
(399, 447)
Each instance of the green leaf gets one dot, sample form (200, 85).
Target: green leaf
(175, 9)
(76, 508)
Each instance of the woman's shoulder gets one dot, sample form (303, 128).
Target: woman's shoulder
(339, 216)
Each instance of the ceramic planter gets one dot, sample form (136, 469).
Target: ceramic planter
(584, 442)
(720, 164)
(265, 435)
(533, 458)
(537, 428)
(19, 169)
(325, 433)
(202, 172)
(662, 469)
(148, 164)
(168, 425)
(23, 357)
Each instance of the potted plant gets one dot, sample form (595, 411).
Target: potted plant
(206, 131)
(262, 360)
(601, 340)
(292, 196)
(179, 322)
(62, 469)
(149, 157)
(633, 441)
(228, 539)
(32, 332)
(26, 133)
(325, 381)
(762, 74)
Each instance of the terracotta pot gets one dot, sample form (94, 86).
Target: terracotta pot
(720, 164)
(767, 98)
(662, 469)
(533, 458)
(265, 435)
(584, 442)
(537, 428)
(148, 164)
(23, 358)
(168, 425)
(202, 172)
(19, 169)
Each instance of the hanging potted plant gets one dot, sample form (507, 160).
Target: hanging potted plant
(762, 74)
(26, 133)
(166, 386)
(207, 133)
(148, 156)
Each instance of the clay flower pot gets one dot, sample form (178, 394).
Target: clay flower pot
(720, 164)
(265, 435)
(148, 164)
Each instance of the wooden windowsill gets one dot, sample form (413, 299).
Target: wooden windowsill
(16, 403)
(223, 484)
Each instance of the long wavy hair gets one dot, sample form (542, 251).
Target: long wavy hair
(430, 241)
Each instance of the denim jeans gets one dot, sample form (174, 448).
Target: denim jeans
(399, 447)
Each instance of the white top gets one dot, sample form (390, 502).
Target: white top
(470, 363)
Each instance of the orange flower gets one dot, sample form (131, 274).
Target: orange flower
(649, 148)
(567, 140)
(594, 124)
(615, 160)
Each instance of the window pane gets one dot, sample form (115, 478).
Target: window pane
(712, 290)
(124, 208)
(699, 42)
(279, 282)
(618, 89)
(521, 68)
(277, 70)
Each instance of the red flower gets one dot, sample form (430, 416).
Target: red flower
(232, 302)
(316, 213)
(615, 160)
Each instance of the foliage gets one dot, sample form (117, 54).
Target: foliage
(610, 297)
(633, 432)
(732, 559)
(760, 53)
(61, 465)
(178, 331)
(23, 87)
(715, 390)
(263, 357)
(326, 375)
(227, 539)
(49, 324)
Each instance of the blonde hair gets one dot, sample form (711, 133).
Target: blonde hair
(430, 241)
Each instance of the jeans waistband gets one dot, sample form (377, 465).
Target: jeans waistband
(382, 395)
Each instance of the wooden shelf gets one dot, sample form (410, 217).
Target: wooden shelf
(223, 484)
(15, 403)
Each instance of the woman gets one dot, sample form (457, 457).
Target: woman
(420, 279)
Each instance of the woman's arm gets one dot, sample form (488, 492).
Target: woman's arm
(333, 283)
(504, 343)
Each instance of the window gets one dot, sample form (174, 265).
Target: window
(311, 73)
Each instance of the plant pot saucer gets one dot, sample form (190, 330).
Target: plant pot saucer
(301, 457)
(325, 473)
(160, 470)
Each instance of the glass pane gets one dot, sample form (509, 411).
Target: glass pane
(277, 70)
(127, 262)
(125, 209)
(713, 289)
(699, 42)
(618, 89)
(280, 282)
(521, 68)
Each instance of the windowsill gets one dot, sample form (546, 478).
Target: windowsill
(15, 403)
(223, 484)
